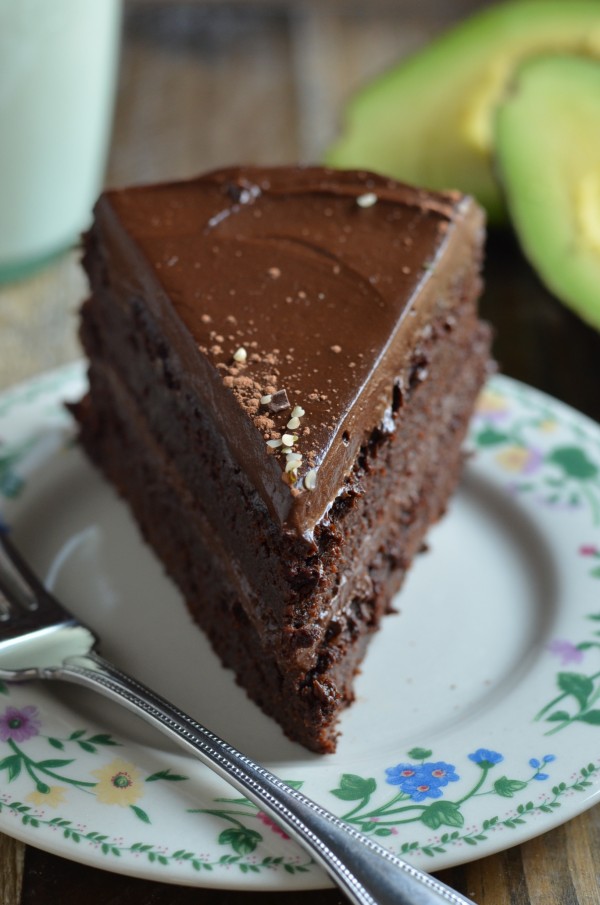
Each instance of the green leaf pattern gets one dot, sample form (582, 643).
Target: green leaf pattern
(51, 781)
(559, 465)
(550, 467)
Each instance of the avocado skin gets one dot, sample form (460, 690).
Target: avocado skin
(429, 120)
(547, 139)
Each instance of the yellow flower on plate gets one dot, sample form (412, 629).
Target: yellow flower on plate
(118, 783)
(516, 458)
(52, 798)
(491, 403)
(547, 425)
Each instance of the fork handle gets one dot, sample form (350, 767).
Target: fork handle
(366, 872)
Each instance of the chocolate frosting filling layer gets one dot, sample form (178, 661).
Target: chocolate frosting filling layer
(291, 297)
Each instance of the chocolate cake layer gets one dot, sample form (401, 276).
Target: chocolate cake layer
(355, 296)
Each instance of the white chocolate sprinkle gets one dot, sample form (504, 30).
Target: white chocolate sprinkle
(240, 355)
(310, 479)
(298, 412)
(288, 440)
(367, 200)
(274, 443)
(293, 423)
(264, 400)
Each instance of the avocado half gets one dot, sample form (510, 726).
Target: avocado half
(547, 138)
(429, 120)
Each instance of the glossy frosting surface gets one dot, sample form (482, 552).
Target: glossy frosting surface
(302, 280)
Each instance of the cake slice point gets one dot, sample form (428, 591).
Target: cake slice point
(283, 362)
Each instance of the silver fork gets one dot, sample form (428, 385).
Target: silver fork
(40, 639)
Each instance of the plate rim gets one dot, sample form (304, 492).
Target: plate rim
(55, 385)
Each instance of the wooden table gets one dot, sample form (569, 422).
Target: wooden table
(210, 83)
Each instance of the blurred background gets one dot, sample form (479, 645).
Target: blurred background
(204, 83)
(268, 78)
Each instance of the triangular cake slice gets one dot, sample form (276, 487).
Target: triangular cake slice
(283, 362)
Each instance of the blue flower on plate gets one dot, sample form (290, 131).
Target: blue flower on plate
(420, 781)
(538, 766)
(486, 758)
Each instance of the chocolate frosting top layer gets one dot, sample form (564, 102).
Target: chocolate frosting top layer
(292, 297)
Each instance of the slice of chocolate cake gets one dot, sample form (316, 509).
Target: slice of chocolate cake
(283, 365)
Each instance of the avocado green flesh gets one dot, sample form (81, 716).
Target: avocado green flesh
(429, 121)
(548, 152)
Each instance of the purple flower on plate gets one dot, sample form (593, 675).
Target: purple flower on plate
(568, 652)
(492, 406)
(421, 781)
(486, 758)
(589, 550)
(19, 725)
(523, 460)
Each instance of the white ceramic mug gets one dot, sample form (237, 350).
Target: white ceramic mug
(58, 68)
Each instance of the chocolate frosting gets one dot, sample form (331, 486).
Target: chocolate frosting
(291, 296)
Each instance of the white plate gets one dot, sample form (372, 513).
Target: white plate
(477, 720)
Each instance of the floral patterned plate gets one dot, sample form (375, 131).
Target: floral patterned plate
(477, 720)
